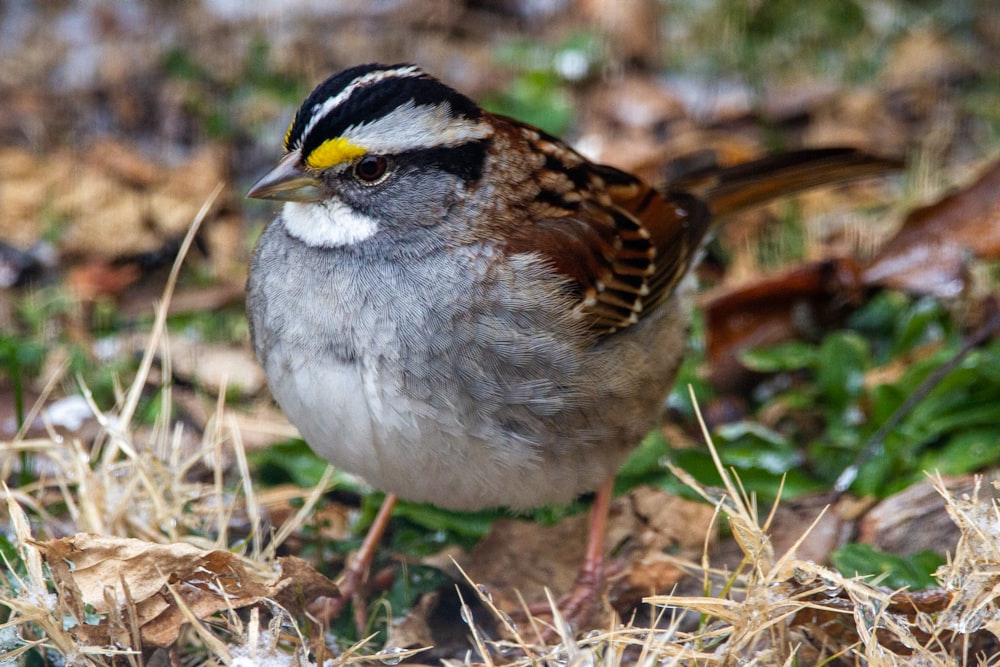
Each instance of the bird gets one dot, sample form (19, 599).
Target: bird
(463, 310)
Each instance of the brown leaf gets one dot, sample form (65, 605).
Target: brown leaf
(830, 618)
(146, 582)
(125, 164)
(526, 557)
(630, 28)
(929, 252)
(668, 521)
(858, 117)
(114, 200)
(99, 277)
(925, 58)
(214, 365)
(927, 255)
(772, 310)
(826, 527)
(299, 584)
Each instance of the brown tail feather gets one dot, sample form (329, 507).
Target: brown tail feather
(731, 189)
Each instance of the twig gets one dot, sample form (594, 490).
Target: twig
(978, 337)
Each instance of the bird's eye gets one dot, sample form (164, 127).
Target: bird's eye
(371, 169)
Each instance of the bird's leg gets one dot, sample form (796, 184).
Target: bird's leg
(577, 604)
(352, 582)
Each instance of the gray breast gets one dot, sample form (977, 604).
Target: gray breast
(444, 380)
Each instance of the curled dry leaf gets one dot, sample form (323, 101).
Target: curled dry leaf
(916, 519)
(298, 584)
(99, 277)
(929, 253)
(151, 579)
(829, 607)
(153, 585)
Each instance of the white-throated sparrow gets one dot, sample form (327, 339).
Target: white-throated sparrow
(465, 311)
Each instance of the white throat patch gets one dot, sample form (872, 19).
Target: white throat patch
(327, 224)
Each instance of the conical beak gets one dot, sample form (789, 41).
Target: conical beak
(287, 182)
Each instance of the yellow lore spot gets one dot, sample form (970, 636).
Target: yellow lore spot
(333, 151)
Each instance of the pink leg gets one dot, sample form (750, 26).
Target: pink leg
(576, 605)
(357, 570)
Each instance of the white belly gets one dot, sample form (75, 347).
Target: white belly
(363, 424)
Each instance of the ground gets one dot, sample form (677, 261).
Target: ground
(138, 441)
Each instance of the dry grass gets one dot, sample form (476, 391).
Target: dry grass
(133, 483)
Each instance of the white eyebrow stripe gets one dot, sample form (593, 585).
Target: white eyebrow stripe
(320, 111)
(410, 127)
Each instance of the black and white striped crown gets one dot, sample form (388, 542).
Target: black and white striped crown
(381, 109)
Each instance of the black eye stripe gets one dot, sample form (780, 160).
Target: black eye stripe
(465, 161)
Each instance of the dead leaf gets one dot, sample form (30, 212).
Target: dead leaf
(894, 369)
(526, 557)
(925, 58)
(299, 584)
(215, 365)
(521, 555)
(125, 164)
(110, 199)
(829, 620)
(630, 123)
(858, 117)
(149, 581)
(101, 278)
(632, 29)
(670, 522)
(929, 253)
(826, 527)
(802, 300)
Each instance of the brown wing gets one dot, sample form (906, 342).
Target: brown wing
(624, 245)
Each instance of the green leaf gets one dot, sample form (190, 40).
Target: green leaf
(414, 581)
(881, 314)
(291, 461)
(645, 460)
(914, 572)
(538, 98)
(468, 524)
(843, 358)
(790, 356)
(922, 323)
(751, 445)
(965, 452)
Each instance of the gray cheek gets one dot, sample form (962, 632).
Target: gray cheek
(424, 199)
